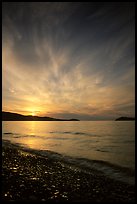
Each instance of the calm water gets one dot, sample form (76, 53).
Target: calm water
(110, 141)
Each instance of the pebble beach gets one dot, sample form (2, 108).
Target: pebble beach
(32, 177)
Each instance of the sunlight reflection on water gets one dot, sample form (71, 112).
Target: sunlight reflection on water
(101, 140)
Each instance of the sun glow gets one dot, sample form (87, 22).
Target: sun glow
(33, 113)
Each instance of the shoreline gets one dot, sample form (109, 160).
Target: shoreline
(31, 177)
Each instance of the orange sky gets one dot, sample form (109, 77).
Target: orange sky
(68, 65)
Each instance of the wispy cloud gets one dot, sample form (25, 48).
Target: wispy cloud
(67, 59)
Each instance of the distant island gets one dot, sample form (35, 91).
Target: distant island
(124, 119)
(8, 116)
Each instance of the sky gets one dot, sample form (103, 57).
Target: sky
(69, 59)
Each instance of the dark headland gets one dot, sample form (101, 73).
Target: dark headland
(8, 116)
(124, 119)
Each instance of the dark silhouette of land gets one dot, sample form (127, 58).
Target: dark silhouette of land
(8, 116)
(124, 119)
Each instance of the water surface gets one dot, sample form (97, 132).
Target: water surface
(110, 141)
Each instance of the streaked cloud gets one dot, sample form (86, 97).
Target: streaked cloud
(69, 59)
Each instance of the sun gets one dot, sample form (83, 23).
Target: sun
(33, 111)
(33, 114)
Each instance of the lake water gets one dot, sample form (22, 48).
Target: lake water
(100, 143)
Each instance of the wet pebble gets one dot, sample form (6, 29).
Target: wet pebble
(22, 185)
(54, 182)
(43, 199)
(32, 197)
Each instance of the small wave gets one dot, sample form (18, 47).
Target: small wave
(129, 141)
(14, 135)
(43, 137)
(57, 132)
(56, 138)
(80, 133)
(29, 136)
(22, 136)
(126, 141)
(74, 133)
(8, 133)
(67, 132)
(101, 150)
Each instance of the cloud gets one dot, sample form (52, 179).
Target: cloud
(63, 56)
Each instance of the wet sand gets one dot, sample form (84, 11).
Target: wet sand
(30, 177)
